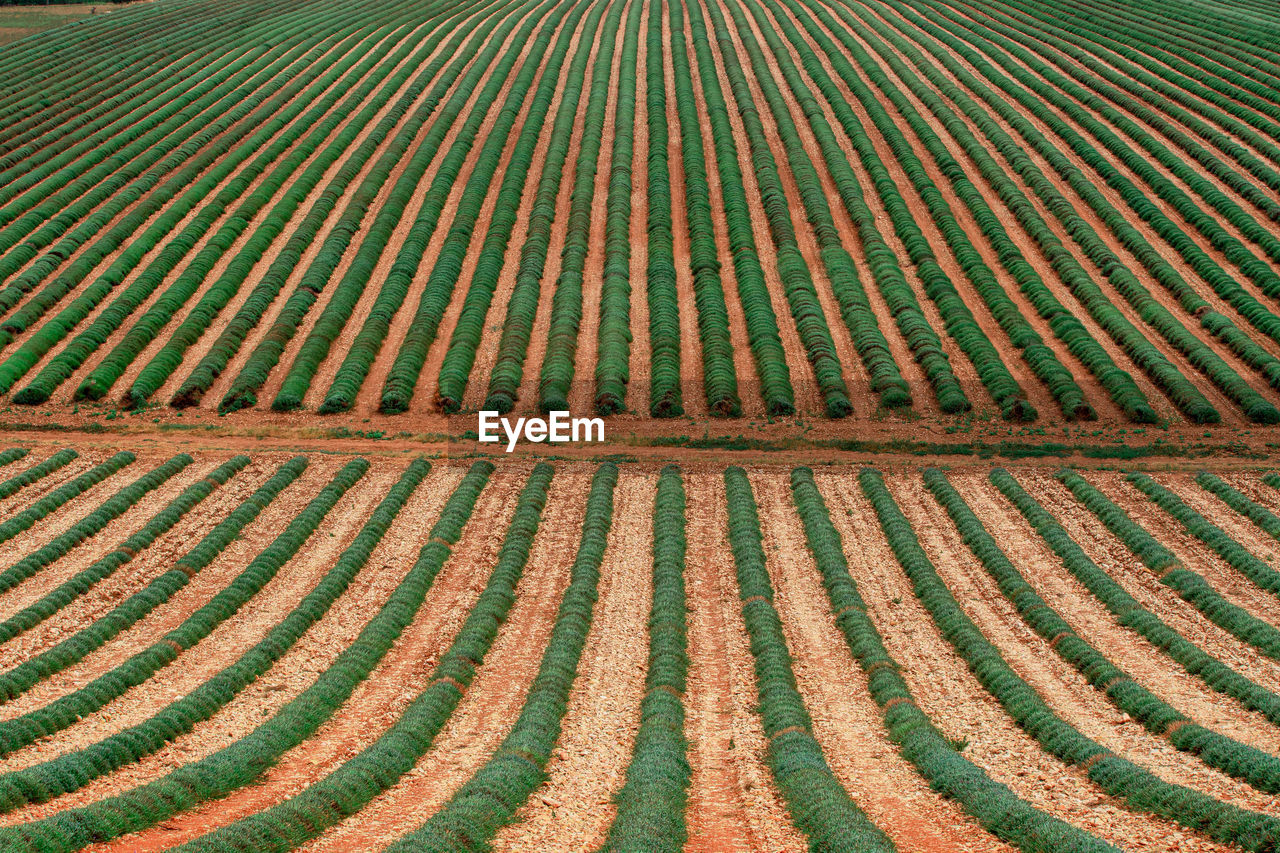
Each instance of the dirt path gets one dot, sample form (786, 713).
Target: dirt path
(574, 808)
(733, 804)
(959, 706)
(846, 720)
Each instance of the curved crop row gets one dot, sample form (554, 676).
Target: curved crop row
(991, 803)
(490, 798)
(73, 770)
(460, 355)
(651, 804)
(818, 803)
(1250, 509)
(1190, 808)
(105, 566)
(1190, 586)
(368, 342)
(1129, 613)
(23, 520)
(36, 472)
(242, 761)
(20, 731)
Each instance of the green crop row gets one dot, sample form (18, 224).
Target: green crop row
(652, 802)
(1061, 320)
(613, 338)
(1140, 787)
(490, 798)
(1130, 613)
(160, 523)
(460, 355)
(1028, 90)
(1132, 339)
(818, 803)
(558, 362)
(873, 348)
(303, 233)
(347, 292)
(719, 373)
(242, 761)
(753, 292)
(73, 770)
(666, 397)
(522, 303)
(1250, 509)
(793, 271)
(23, 520)
(36, 472)
(25, 729)
(91, 524)
(991, 803)
(375, 768)
(359, 359)
(221, 607)
(1210, 534)
(1190, 586)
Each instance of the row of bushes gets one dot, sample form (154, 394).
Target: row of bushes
(62, 712)
(1190, 586)
(666, 397)
(364, 101)
(1250, 509)
(163, 521)
(90, 525)
(719, 372)
(1236, 555)
(651, 805)
(1039, 358)
(302, 234)
(558, 361)
(613, 332)
(793, 271)
(1136, 342)
(36, 472)
(460, 355)
(242, 761)
(368, 342)
(220, 608)
(1191, 808)
(490, 798)
(168, 259)
(266, 355)
(753, 292)
(1130, 613)
(1062, 320)
(1161, 270)
(347, 292)
(73, 770)
(989, 802)
(869, 340)
(94, 200)
(522, 303)
(23, 520)
(157, 317)
(1151, 80)
(818, 803)
(352, 784)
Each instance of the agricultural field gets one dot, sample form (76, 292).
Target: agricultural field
(935, 352)
(214, 651)
(904, 210)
